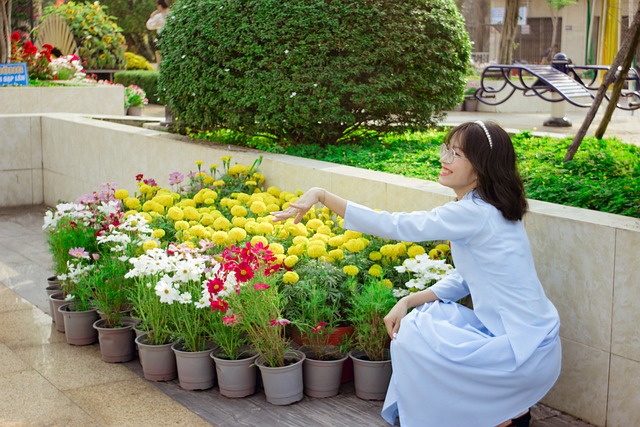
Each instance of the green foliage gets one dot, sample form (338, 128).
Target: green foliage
(132, 16)
(301, 71)
(65, 235)
(603, 176)
(101, 44)
(370, 305)
(147, 80)
(110, 289)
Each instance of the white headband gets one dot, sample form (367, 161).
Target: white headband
(486, 132)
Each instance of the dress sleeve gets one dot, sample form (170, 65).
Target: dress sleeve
(451, 288)
(453, 221)
(156, 21)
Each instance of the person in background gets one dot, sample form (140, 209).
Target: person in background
(454, 366)
(156, 22)
(548, 55)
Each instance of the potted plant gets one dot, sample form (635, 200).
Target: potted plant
(134, 99)
(316, 317)
(250, 293)
(371, 360)
(470, 101)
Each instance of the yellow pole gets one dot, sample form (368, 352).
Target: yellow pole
(610, 16)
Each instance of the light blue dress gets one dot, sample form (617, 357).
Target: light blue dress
(456, 367)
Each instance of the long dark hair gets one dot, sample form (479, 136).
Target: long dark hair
(499, 182)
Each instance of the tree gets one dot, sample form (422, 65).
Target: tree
(556, 6)
(508, 36)
(5, 31)
(623, 60)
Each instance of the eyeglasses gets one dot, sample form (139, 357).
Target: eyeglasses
(448, 155)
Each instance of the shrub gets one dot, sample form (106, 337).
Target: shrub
(313, 71)
(101, 44)
(136, 62)
(132, 17)
(144, 79)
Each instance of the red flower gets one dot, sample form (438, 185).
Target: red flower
(230, 320)
(219, 304)
(215, 285)
(244, 272)
(260, 286)
(139, 177)
(15, 36)
(318, 327)
(47, 47)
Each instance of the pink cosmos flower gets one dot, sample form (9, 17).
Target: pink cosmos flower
(218, 304)
(260, 286)
(279, 322)
(175, 178)
(79, 253)
(230, 320)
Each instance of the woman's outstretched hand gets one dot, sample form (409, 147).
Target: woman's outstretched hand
(300, 206)
(395, 315)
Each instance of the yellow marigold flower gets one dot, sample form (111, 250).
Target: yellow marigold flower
(435, 253)
(221, 238)
(299, 230)
(198, 197)
(198, 230)
(324, 230)
(236, 170)
(375, 270)
(336, 241)
(239, 221)
(164, 199)
(239, 210)
(316, 251)
(401, 249)
(231, 203)
(181, 225)
(251, 183)
(243, 197)
(314, 224)
(389, 251)
(351, 270)
(354, 245)
(191, 213)
(290, 277)
(149, 244)
(175, 213)
(208, 180)
(415, 250)
(121, 194)
(175, 196)
(147, 217)
(261, 239)
(206, 219)
(350, 234)
(265, 228)
(158, 233)
(146, 189)
(258, 177)
(237, 234)
(279, 258)
(187, 203)
(291, 260)
(375, 256)
(336, 254)
(132, 203)
(274, 191)
(218, 183)
(387, 283)
(258, 207)
(295, 250)
(221, 223)
(251, 227)
(276, 248)
(198, 163)
(273, 207)
(443, 248)
(225, 159)
(300, 240)
(209, 194)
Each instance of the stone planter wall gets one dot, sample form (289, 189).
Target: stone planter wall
(587, 260)
(88, 99)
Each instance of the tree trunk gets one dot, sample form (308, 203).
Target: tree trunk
(626, 50)
(509, 26)
(633, 34)
(5, 31)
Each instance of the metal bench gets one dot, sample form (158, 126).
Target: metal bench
(549, 80)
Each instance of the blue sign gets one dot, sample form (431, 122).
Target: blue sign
(14, 74)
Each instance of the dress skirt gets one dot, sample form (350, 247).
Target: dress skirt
(450, 371)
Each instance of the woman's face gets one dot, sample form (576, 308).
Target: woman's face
(459, 174)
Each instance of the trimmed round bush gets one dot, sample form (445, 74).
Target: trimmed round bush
(312, 71)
